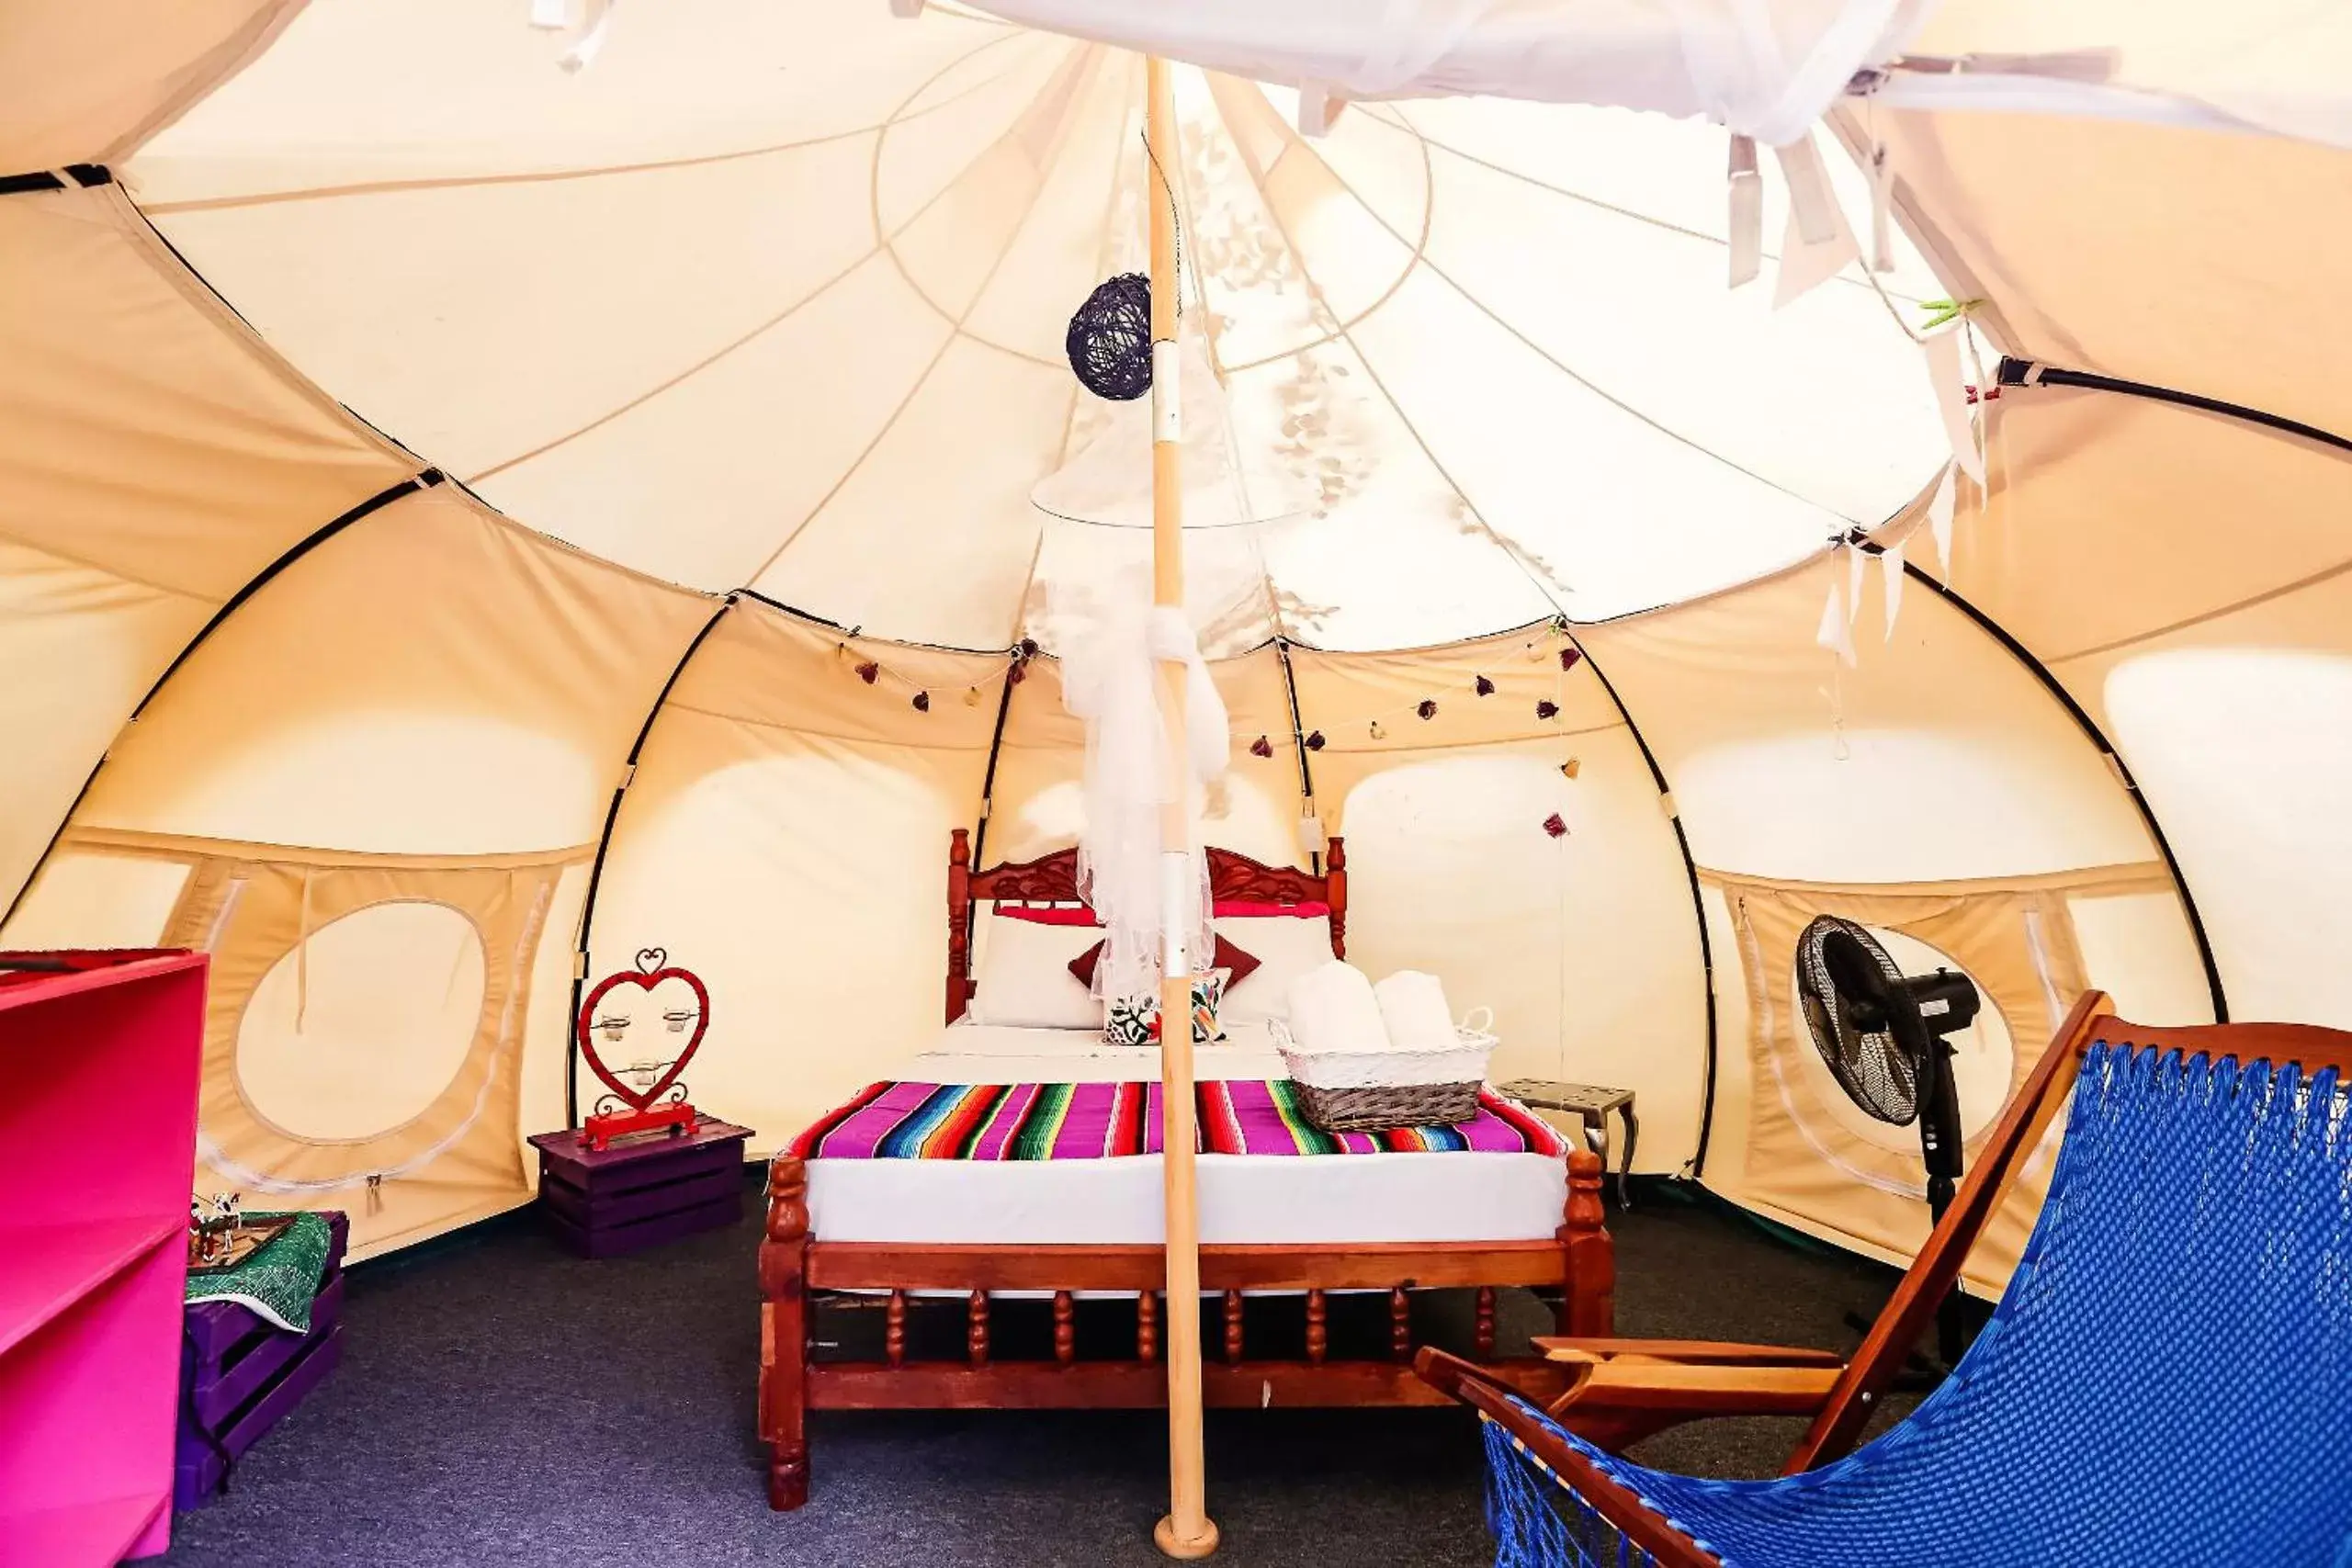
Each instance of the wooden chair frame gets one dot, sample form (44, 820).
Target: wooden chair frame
(1631, 1388)
(1578, 1260)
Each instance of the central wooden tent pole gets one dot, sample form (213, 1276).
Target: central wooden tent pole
(1187, 1531)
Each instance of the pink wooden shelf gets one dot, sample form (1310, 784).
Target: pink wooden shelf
(20, 987)
(52, 1268)
(98, 1146)
(80, 1532)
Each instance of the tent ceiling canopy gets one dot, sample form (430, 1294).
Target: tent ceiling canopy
(775, 297)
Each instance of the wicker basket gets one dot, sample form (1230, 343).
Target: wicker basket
(1370, 1091)
(1380, 1107)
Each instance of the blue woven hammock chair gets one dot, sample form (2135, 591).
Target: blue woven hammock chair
(2166, 1382)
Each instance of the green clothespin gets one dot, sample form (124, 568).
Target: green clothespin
(1943, 311)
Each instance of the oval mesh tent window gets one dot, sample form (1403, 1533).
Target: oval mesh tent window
(1110, 339)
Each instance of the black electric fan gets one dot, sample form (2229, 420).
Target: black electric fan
(1885, 1038)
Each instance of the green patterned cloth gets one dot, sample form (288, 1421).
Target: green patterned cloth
(280, 1280)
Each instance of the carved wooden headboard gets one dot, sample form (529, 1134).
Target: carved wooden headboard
(1053, 879)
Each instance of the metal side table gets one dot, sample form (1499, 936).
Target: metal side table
(1589, 1104)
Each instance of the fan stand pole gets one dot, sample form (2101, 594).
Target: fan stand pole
(1942, 1113)
(1187, 1531)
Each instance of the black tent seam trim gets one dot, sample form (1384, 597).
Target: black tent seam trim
(1698, 1163)
(1298, 740)
(77, 176)
(2014, 372)
(2098, 737)
(603, 846)
(301, 548)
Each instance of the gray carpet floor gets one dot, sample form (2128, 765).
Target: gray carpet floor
(502, 1403)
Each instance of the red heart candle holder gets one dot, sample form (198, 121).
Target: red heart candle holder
(662, 1106)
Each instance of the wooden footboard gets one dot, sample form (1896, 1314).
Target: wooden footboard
(1577, 1261)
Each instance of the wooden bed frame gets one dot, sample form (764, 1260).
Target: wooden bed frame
(1053, 879)
(1577, 1261)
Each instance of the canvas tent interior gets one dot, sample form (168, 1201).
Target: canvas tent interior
(428, 516)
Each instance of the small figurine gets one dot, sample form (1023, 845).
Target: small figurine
(213, 1223)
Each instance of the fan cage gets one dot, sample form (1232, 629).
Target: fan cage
(1871, 1065)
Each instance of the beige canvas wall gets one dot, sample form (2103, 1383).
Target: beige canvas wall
(2183, 573)
(785, 839)
(84, 81)
(1586, 945)
(371, 1018)
(2208, 282)
(786, 836)
(434, 680)
(1922, 787)
(1799, 1151)
(155, 457)
(388, 723)
(1935, 756)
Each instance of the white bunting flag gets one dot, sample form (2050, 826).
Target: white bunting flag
(1951, 396)
(1891, 564)
(600, 22)
(1882, 212)
(1835, 633)
(1940, 521)
(1818, 244)
(1746, 212)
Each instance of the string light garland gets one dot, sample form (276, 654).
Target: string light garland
(872, 671)
(875, 672)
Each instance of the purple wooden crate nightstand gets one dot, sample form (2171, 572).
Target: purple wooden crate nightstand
(641, 1192)
(239, 1374)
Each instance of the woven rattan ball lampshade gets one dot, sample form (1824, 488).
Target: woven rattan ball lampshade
(1110, 339)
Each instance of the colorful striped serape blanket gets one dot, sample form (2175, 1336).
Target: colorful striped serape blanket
(1103, 1120)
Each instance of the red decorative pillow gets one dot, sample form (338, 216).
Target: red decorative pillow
(1049, 914)
(1228, 956)
(1252, 908)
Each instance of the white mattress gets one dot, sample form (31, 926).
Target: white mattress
(1338, 1199)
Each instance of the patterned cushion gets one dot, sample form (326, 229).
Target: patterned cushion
(1131, 1021)
(1227, 956)
(1135, 1021)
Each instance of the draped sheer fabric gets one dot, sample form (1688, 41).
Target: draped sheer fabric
(1116, 640)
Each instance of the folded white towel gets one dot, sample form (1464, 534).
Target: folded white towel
(1332, 1008)
(1413, 1010)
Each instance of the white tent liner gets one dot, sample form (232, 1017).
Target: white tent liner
(485, 495)
(606, 291)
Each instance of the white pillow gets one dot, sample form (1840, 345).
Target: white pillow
(1025, 977)
(1285, 946)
